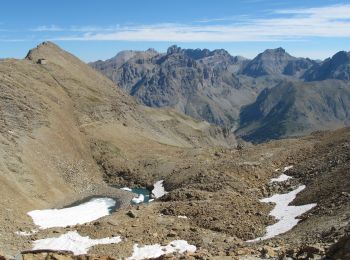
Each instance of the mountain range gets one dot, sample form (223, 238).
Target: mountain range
(275, 87)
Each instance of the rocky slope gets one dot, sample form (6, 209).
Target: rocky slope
(337, 67)
(55, 117)
(218, 190)
(240, 93)
(200, 83)
(295, 109)
(277, 62)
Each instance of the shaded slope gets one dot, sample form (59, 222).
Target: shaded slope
(296, 108)
(337, 67)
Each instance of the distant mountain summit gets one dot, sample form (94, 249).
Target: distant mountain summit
(277, 62)
(337, 67)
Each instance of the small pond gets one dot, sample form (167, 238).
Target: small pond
(142, 191)
(142, 195)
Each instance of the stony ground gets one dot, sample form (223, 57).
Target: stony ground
(64, 156)
(218, 190)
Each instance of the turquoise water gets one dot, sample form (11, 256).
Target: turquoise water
(142, 191)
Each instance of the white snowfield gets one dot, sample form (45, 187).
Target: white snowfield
(158, 190)
(285, 214)
(153, 251)
(74, 242)
(138, 199)
(283, 177)
(83, 213)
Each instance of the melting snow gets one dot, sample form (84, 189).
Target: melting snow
(83, 213)
(286, 215)
(126, 189)
(72, 241)
(283, 177)
(138, 199)
(158, 190)
(153, 251)
(25, 233)
(287, 168)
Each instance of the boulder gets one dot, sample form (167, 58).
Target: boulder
(131, 214)
(268, 251)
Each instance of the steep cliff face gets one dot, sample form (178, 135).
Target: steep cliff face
(200, 83)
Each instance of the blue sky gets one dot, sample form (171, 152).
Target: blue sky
(98, 29)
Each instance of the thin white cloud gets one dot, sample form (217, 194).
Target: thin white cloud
(236, 18)
(55, 28)
(47, 28)
(14, 40)
(292, 24)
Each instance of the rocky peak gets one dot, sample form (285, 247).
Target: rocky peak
(197, 53)
(277, 62)
(341, 57)
(44, 48)
(337, 67)
(151, 50)
(274, 54)
(173, 49)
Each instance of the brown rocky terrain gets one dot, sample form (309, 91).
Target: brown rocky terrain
(54, 116)
(68, 133)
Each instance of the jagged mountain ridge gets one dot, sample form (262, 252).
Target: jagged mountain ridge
(201, 83)
(215, 86)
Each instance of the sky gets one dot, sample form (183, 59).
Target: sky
(99, 29)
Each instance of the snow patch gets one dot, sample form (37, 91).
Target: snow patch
(283, 177)
(158, 190)
(72, 241)
(285, 214)
(25, 233)
(83, 213)
(138, 199)
(126, 189)
(182, 217)
(287, 168)
(153, 251)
